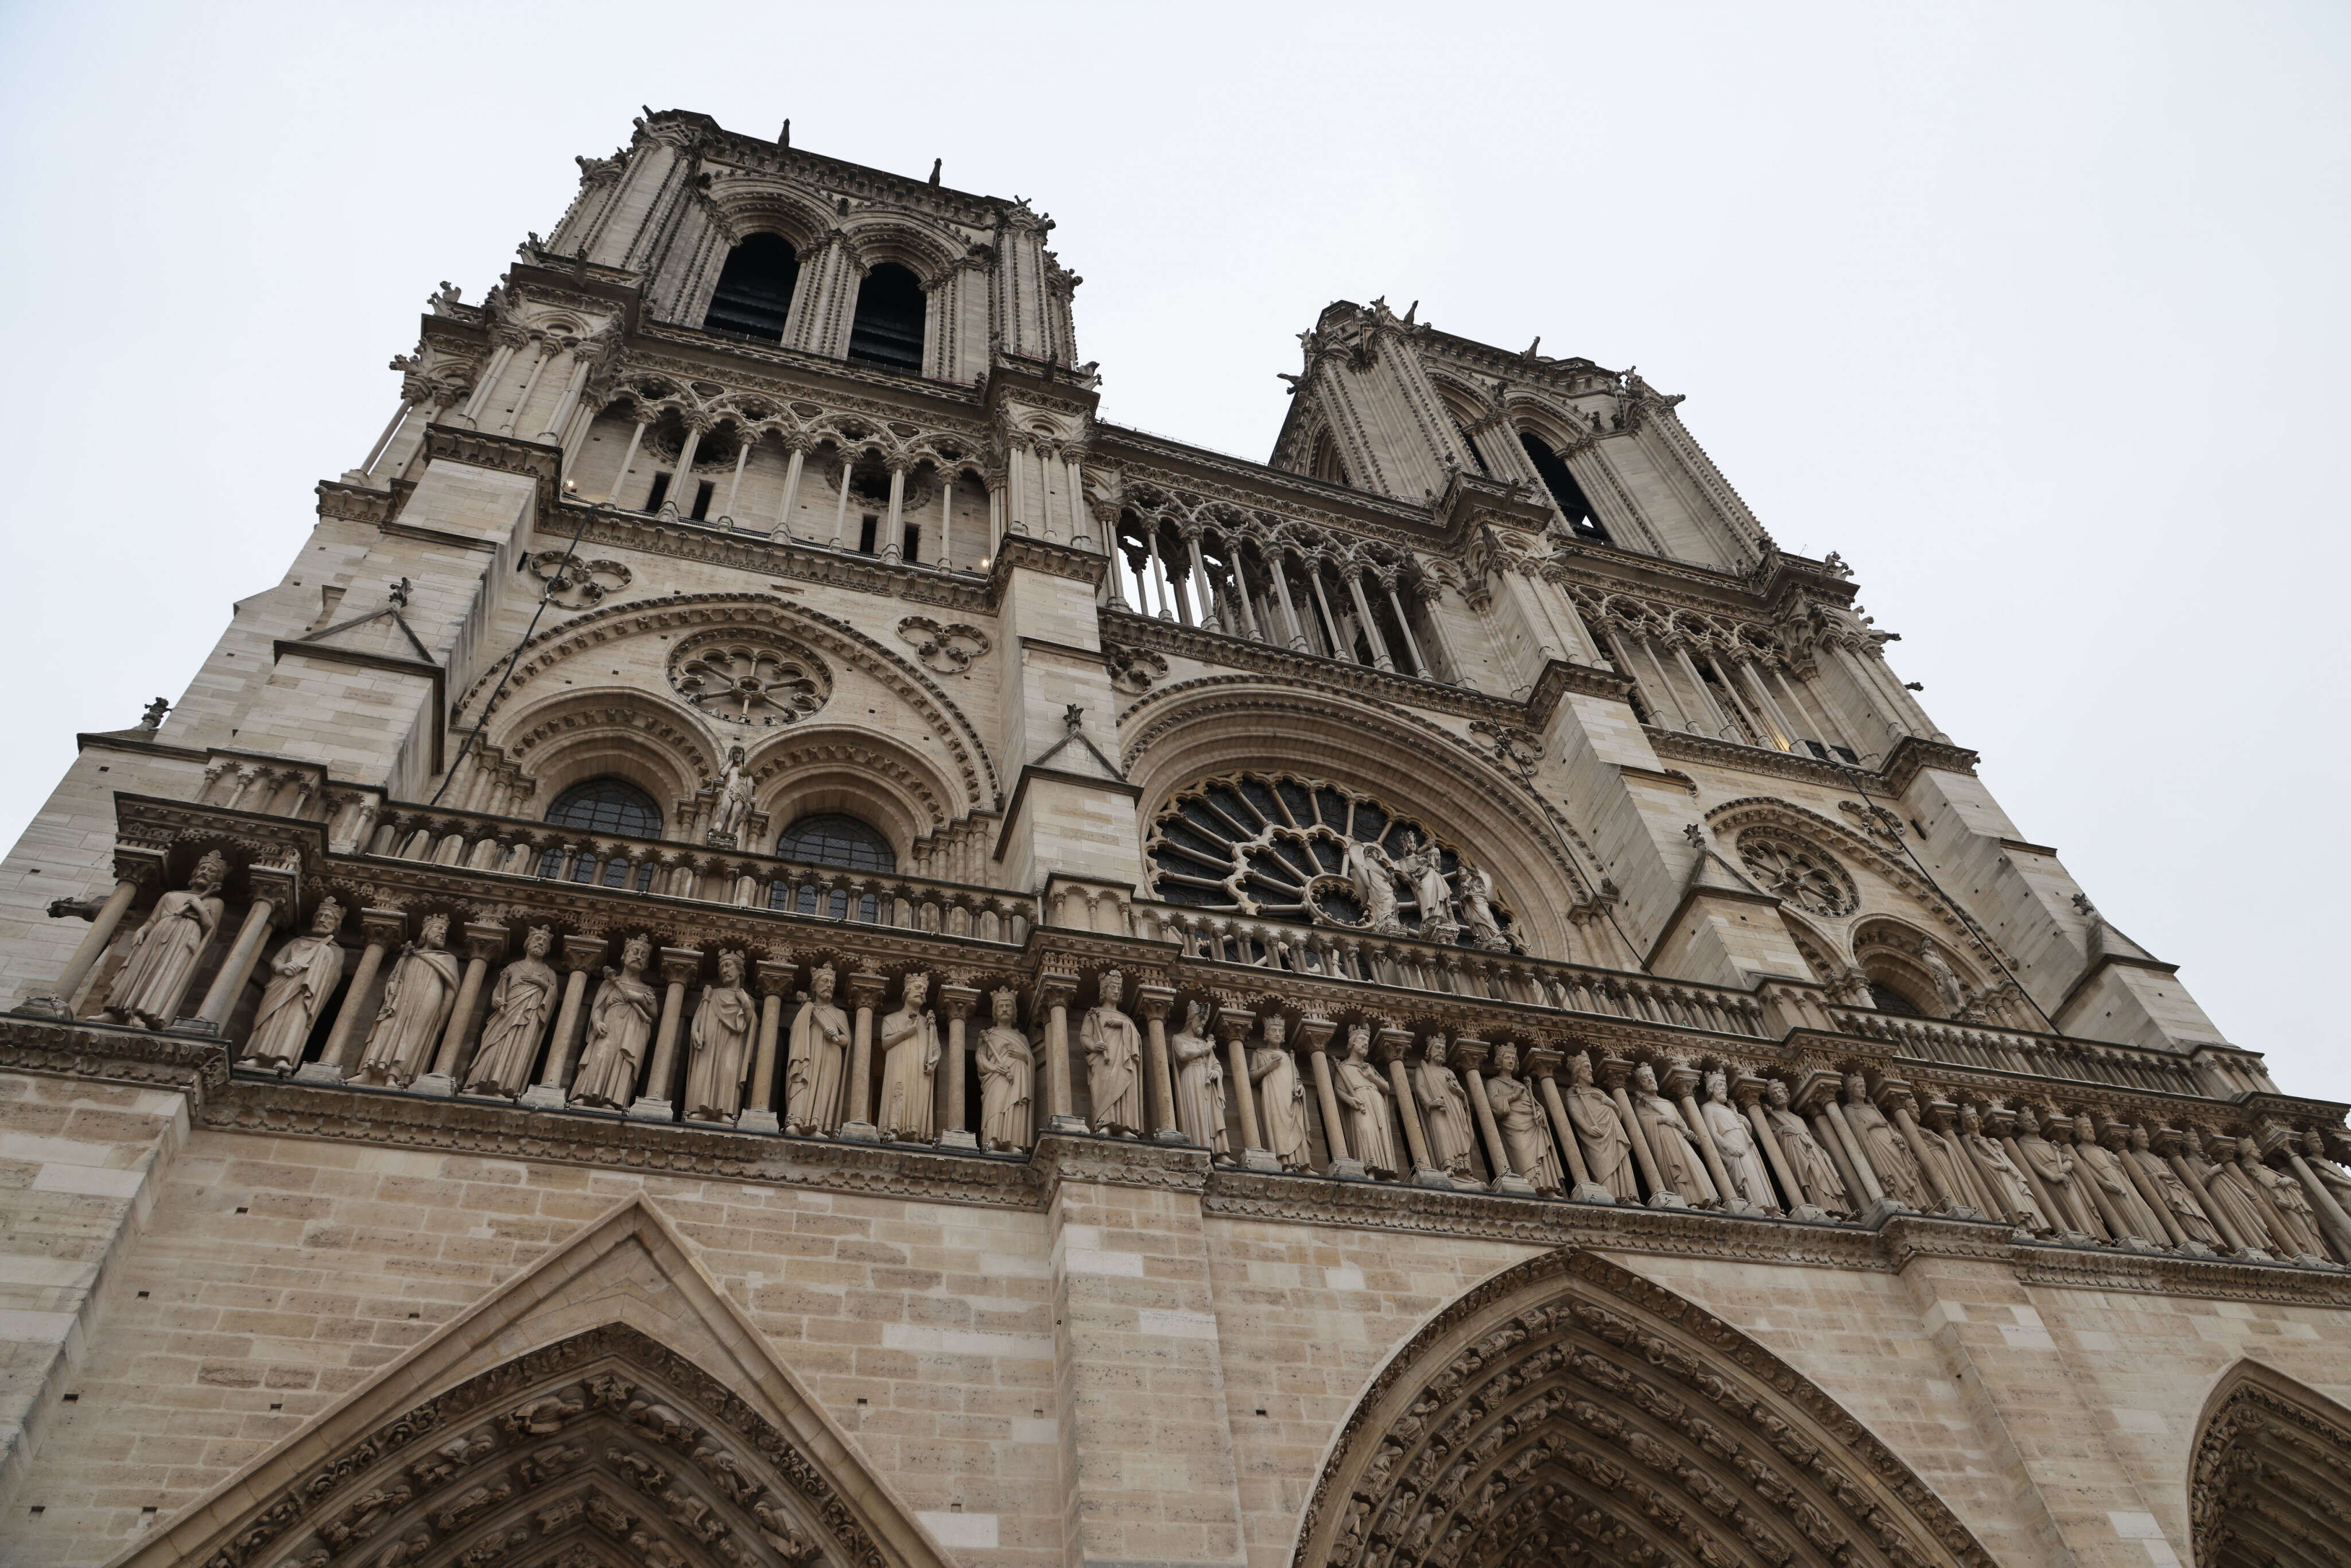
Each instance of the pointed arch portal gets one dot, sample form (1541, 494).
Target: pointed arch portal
(1570, 1411)
(2271, 1471)
(607, 1409)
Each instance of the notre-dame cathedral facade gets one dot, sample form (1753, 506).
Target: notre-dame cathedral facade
(780, 946)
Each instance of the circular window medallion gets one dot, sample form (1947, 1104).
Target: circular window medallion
(748, 678)
(1790, 869)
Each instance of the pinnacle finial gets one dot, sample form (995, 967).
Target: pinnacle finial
(935, 165)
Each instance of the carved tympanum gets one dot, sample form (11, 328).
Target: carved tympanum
(1806, 877)
(749, 678)
(606, 1445)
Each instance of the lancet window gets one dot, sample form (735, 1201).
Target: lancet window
(1300, 850)
(1326, 600)
(888, 328)
(754, 289)
(1565, 491)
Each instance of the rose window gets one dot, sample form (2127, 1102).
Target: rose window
(1803, 875)
(1291, 849)
(749, 679)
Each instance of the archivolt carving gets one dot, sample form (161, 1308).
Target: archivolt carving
(874, 762)
(2271, 1471)
(605, 1441)
(1568, 1411)
(739, 613)
(876, 237)
(627, 715)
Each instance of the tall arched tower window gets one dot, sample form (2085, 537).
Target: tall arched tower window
(834, 838)
(754, 289)
(1563, 489)
(888, 329)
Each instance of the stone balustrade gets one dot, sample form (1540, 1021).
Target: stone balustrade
(2012, 1051)
(508, 847)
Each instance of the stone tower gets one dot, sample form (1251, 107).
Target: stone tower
(780, 946)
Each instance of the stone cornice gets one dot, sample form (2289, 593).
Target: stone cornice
(1031, 554)
(1220, 477)
(794, 372)
(196, 1067)
(1913, 755)
(1683, 746)
(795, 559)
(500, 453)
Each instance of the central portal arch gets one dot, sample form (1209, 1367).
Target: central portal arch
(1567, 1411)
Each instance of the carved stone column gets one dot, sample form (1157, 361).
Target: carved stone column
(1154, 1002)
(1235, 1024)
(483, 943)
(654, 1101)
(271, 891)
(1056, 992)
(1748, 1091)
(581, 958)
(58, 1003)
(955, 1129)
(1468, 1057)
(774, 978)
(1895, 1100)
(1679, 1080)
(2172, 1146)
(1390, 1045)
(1543, 1065)
(380, 930)
(1815, 1097)
(1313, 1043)
(865, 992)
(1611, 1074)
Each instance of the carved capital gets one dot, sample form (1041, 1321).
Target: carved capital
(866, 988)
(679, 966)
(775, 977)
(1056, 990)
(1154, 1002)
(584, 954)
(1313, 1035)
(1392, 1045)
(383, 927)
(1543, 1060)
(485, 940)
(956, 1001)
(1468, 1055)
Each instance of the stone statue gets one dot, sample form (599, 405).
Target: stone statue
(2331, 1176)
(1199, 1085)
(151, 718)
(1280, 1096)
(2186, 1212)
(1518, 1117)
(2292, 1205)
(619, 1025)
(910, 1060)
(1423, 865)
(301, 977)
(1889, 1153)
(2055, 1166)
(1607, 1148)
(1114, 1052)
(1373, 876)
(415, 1008)
(2009, 1186)
(521, 1005)
(816, 1070)
(446, 298)
(1362, 1094)
(719, 1046)
(2231, 1193)
(1956, 997)
(1811, 1164)
(734, 803)
(1734, 1140)
(1478, 909)
(1938, 1149)
(163, 955)
(1008, 1076)
(2102, 1163)
(1671, 1143)
(1443, 1110)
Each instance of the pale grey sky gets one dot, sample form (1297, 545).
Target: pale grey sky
(2035, 312)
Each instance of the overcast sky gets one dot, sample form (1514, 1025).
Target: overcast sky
(2035, 312)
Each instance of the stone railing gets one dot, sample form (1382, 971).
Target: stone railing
(1414, 964)
(2011, 1051)
(508, 847)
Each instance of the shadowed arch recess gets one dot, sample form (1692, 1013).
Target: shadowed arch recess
(1567, 1411)
(2271, 1471)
